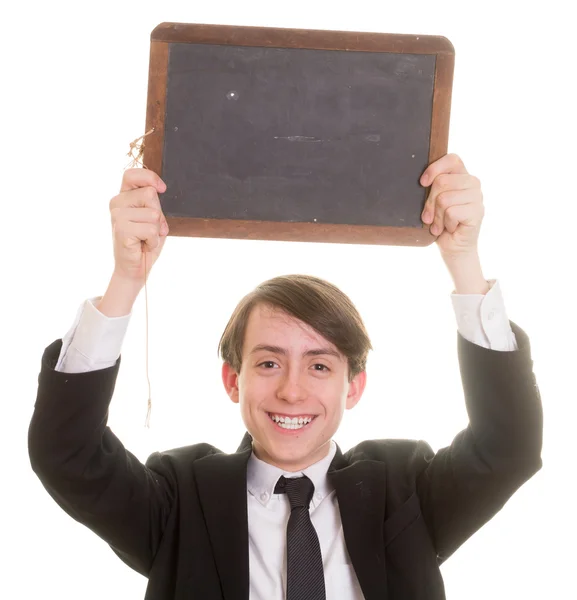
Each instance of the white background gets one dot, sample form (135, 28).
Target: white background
(74, 81)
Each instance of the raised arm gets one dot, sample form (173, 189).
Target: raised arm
(81, 463)
(462, 486)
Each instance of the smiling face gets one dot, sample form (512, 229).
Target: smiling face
(293, 388)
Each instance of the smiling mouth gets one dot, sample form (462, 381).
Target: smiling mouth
(286, 422)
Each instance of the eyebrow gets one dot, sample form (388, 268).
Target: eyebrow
(279, 350)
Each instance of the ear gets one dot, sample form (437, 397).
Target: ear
(356, 389)
(230, 381)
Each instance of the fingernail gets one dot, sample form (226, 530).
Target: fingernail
(425, 180)
(162, 186)
(426, 216)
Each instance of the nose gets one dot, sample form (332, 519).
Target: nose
(291, 388)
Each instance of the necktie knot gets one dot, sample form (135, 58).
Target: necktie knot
(299, 490)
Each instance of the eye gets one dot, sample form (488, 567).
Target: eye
(320, 367)
(268, 364)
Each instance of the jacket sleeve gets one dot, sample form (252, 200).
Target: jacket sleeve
(87, 470)
(464, 485)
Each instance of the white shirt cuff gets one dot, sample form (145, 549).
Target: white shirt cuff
(482, 319)
(94, 341)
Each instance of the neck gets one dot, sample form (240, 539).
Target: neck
(291, 465)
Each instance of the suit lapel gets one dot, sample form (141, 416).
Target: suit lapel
(222, 490)
(360, 489)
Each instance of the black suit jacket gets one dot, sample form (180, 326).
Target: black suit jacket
(181, 519)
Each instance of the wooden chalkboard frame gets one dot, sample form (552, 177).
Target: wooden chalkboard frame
(166, 33)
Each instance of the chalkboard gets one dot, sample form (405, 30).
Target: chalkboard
(268, 133)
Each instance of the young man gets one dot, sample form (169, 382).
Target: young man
(289, 515)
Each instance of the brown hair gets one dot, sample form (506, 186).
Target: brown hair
(316, 302)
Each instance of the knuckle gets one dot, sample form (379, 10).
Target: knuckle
(443, 181)
(114, 202)
(150, 193)
(443, 200)
(127, 176)
(143, 194)
(156, 214)
(115, 215)
(134, 175)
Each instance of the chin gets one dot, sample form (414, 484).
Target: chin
(292, 455)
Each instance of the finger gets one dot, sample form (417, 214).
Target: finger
(450, 163)
(141, 215)
(446, 200)
(136, 198)
(455, 181)
(461, 215)
(148, 233)
(444, 183)
(146, 215)
(140, 205)
(137, 178)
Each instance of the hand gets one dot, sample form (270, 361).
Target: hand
(138, 224)
(454, 208)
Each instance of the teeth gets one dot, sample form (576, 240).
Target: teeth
(291, 423)
(290, 426)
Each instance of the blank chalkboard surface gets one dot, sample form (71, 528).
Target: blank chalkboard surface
(286, 134)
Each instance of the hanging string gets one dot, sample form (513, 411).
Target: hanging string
(136, 153)
(149, 404)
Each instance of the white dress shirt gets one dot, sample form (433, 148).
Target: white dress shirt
(94, 342)
(268, 515)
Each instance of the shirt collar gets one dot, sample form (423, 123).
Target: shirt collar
(261, 477)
